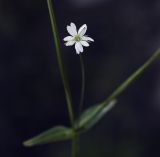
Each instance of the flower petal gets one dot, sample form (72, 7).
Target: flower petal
(68, 38)
(84, 43)
(78, 47)
(73, 26)
(85, 38)
(71, 31)
(70, 43)
(82, 30)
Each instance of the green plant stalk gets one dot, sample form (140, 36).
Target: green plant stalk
(75, 144)
(61, 61)
(82, 84)
(63, 75)
(133, 77)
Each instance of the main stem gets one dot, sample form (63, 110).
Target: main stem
(61, 61)
(75, 145)
(67, 90)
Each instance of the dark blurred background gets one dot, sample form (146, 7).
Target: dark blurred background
(126, 33)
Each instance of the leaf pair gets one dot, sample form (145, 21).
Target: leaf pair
(92, 115)
(60, 133)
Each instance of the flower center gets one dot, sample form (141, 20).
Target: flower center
(77, 38)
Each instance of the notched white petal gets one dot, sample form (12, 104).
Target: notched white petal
(68, 38)
(73, 26)
(87, 38)
(70, 43)
(78, 47)
(82, 30)
(71, 31)
(84, 43)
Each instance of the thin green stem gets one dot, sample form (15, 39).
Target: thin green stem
(75, 145)
(133, 77)
(76, 138)
(82, 84)
(61, 61)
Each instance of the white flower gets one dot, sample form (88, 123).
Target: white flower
(78, 38)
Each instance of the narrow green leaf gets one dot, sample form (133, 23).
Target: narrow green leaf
(92, 115)
(133, 77)
(59, 133)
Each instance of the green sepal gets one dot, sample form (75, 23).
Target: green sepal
(59, 133)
